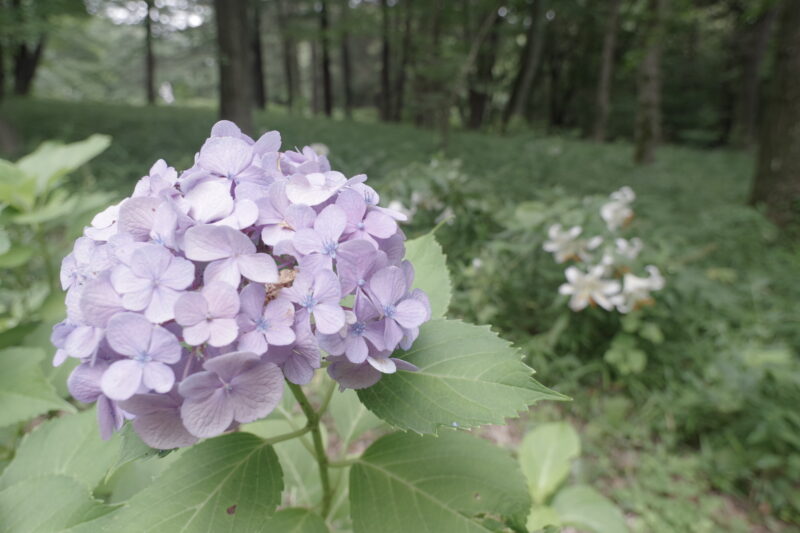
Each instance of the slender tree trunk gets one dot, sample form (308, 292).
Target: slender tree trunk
(648, 112)
(347, 74)
(405, 59)
(235, 63)
(754, 49)
(603, 97)
(150, 58)
(327, 86)
(26, 61)
(480, 95)
(530, 59)
(777, 181)
(314, 78)
(386, 83)
(290, 68)
(2, 69)
(259, 84)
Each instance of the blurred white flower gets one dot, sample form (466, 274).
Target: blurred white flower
(636, 290)
(629, 248)
(447, 216)
(477, 263)
(566, 245)
(397, 205)
(589, 288)
(320, 149)
(618, 211)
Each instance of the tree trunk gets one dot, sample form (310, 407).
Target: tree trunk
(291, 71)
(405, 59)
(603, 98)
(259, 85)
(26, 61)
(150, 58)
(754, 48)
(313, 77)
(386, 83)
(480, 95)
(777, 181)
(529, 61)
(235, 63)
(327, 87)
(2, 70)
(347, 74)
(647, 132)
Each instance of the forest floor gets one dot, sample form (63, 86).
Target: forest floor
(660, 486)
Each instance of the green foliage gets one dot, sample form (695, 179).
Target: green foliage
(430, 265)
(24, 391)
(546, 456)
(228, 483)
(406, 482)
(467, 376)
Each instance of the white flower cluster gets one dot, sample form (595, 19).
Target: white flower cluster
(608, 281)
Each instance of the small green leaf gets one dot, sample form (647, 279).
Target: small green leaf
(467, 376)
(52, 160)
(295, 520)
(17, 256)
(350, 416)
(70, 445)
(47, 504)
(132, 448)
(546, 456)
(406, 482)
(231, 483)
(431, 274)
(542, 516)
(583, 507)
(24, 391)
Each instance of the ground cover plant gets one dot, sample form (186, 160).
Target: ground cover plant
(690, 426)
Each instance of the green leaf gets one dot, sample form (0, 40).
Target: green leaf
(467, 376)
(16, 189)
(406, 482)
(546, 456)
(431, 274)
(295, 521)
(583, 507)
(24, 391)
(350, 416)
(231, 483)
(47, 504)
(70, 445)
(5, 242)
(17, 256)
(52, 160)
(542, 516)
(132, 447)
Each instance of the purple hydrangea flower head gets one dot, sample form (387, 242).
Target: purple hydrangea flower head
(209, 315)
(148, 348)
(237, 386)
(269, 253)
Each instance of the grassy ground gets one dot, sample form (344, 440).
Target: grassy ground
(689, 196)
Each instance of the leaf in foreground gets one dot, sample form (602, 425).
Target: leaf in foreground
(406, 482)
(431, 274)
(467, 376)
(231, 483)
(583, 507)
(546, 456)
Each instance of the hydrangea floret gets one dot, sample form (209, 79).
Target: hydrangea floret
(602, 273)
(190, 302)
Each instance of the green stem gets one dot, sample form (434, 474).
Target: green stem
(322, 458)
(344, 463)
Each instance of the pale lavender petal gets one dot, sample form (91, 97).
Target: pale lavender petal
(222, 298)
(329, 318)
(230, 364)
(327, 288)
(158, 376)
(124, 280)
(207, 417)
(352, 376)
(380, 225)
(353, 204)
(385, 365)
(256, 392)
(225, 156)
(136, 216)
(356, 349)
(210, 200)
(164, 347)
(99, 302)
(258, 267)
(191, 308)
(280, 335)
(122, 379)
(196, 334)
(208, 242)
(139, 300)
(84, 382)
(82, 342)
(307, 241)
(225, 128)
(109, 417)
(178, 275)
(388, 285)
(223, 271)
(392, 333)
(162, 305)
(129, 334)
(222, 331)
(252, 341)
(269, 142)
(330, 223)
(252, 300)
(410, 313)
(199, 386)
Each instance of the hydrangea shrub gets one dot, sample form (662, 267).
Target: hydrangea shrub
(194, 304)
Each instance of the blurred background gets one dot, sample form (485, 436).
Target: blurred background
(494, 119)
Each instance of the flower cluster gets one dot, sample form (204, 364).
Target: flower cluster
(597, 282)
(190, 302)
